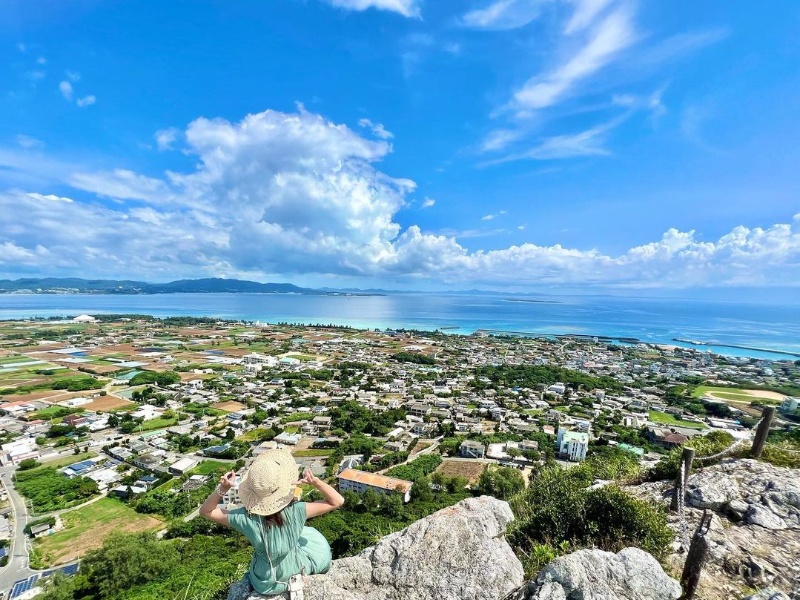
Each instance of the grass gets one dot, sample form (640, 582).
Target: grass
(251, 436)
(209, 466)
(159, 423)
(313, 452)
(667, 419)
(86, 528)
(729, 393)
(64, 461)
(54, 411)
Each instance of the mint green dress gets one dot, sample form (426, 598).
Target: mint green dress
(293, 548)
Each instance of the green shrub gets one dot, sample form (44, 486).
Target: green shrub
(558, 507)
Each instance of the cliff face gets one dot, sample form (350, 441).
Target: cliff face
(461, 553)
(755, 529)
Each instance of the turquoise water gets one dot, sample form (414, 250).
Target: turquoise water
(650, 320)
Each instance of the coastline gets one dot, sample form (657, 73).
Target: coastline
(737, 330)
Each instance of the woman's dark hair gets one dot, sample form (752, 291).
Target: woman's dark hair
(273, 519)
(276, 518)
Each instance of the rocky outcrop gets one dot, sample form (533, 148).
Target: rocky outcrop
(460, 553)
(754, 492)
(754, 537)
(632, 574)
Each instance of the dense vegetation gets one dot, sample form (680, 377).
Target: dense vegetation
(558, 513)
(50, 490)
(162, 379)
(353, 418)
(415, 357)
(535, 376)
(417, 468)
(77, 383)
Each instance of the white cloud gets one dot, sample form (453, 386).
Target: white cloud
(35, 76)
(41, 60)
(407, 8)
(122, 184)
(65, 87)
(503, 14)
(586, 11)
(377, 129)
(48, 197)
(165, 138)
(590, 142)
(293, 193)
(26, 141)
(612, 35)
(491, 217)
(73, 76)
(86, 101)
(521, 227)
(501, 138)
(428, 203)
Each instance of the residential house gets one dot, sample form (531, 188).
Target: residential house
(361, 481)
(471, 449)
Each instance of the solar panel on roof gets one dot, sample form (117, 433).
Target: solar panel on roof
(70, 570)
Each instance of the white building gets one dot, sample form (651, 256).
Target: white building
(19, 450)
(147, 412)
(572, 444)
(557, 388)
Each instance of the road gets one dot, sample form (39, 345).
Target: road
(18, 564)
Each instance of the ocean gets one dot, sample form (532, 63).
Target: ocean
(757, 326)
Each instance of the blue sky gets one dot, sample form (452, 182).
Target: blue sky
(506, 144)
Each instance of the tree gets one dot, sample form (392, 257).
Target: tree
(28, 463)
(502, 482)
(113, 420)
(128, 560)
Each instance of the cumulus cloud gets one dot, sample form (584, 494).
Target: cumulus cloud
(86, 101)
(503, 14)
(65, 87)
(407, 8)
(293, 193)
(428, 203)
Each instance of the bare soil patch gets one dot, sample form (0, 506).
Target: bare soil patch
(108, 402)
(230, 406)
(472, 470)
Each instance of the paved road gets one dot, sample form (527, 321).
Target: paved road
(18, 565)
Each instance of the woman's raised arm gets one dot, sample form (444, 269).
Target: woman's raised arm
(332, 501)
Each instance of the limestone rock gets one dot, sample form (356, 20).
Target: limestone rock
(458, 552)
(632, 574)
(754, 537)
(768, 594)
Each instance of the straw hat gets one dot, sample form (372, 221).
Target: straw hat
(269, 484)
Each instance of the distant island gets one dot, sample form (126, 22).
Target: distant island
(213, 285)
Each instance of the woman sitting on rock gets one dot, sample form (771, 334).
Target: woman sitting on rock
(274, 522)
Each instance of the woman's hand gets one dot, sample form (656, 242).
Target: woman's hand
(227, 481)
(308, 478)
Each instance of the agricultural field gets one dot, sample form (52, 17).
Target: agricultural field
(472, 470)
(110, 403)
(87, 528)
(663, 418)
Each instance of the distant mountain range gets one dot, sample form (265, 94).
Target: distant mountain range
(74, 285)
